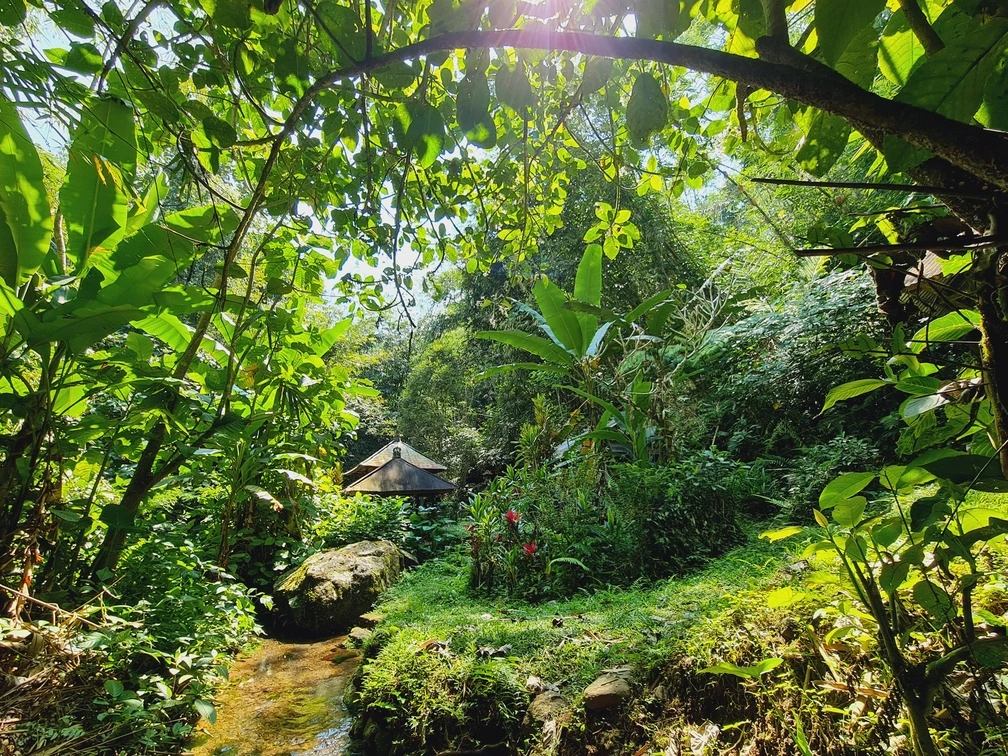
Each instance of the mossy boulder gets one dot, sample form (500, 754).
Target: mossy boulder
(327, 594)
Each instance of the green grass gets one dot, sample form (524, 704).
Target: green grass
(427, 684)
(569, 641)
(425, 679)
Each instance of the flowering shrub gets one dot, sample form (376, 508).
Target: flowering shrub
(504, 544)
(539, 532)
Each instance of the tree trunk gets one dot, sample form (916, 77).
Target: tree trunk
(139, 485)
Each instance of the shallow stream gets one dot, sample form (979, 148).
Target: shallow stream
(283, 699)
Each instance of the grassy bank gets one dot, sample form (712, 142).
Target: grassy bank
(448, 672)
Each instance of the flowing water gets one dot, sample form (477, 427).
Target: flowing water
(283, 699)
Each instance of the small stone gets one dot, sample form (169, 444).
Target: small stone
(536, 684)
(370, 619)
(608, 690)
(360, 634)
(546, 706)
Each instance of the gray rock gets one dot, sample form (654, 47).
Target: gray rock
(608, 690)
(331, 589)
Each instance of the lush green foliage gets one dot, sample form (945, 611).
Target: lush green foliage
(197, 197)
(361, 518)
(543, 532)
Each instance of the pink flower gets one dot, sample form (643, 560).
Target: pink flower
(513, 516)
(529, 548)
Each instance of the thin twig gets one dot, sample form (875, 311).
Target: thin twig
(50, 607)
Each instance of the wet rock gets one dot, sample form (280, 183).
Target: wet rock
(329, 592)
(608, 691)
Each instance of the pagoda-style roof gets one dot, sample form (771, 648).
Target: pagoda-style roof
(386, 454)
(397, 477)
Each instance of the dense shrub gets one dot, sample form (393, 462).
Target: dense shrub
(683, 514)
(447, 695)
(432, 528)
(784, 356)
(151, 666)
(815, 466)
(361, 518)
(548, 532)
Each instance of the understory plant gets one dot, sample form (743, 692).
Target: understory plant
(923, 575)
(554, 529)
(347, 519)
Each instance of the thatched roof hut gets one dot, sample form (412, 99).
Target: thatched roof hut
(385, 455)
(398, 477)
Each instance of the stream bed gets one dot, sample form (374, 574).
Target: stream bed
(282, 699)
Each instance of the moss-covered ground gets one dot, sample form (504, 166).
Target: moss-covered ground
(448, 671)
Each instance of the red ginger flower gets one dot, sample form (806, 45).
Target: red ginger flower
(529, 548)
(513, 516)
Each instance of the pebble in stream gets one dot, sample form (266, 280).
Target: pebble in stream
(283, 699)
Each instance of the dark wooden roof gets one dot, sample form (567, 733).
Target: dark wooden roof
(386, 454)
(397, 477)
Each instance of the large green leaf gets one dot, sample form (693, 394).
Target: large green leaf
(328, 337)
(852, 389)
(536, 345)
(993, 113)
(838, 22)
(167, 328)
(657, 17)
(952, 80)
(826, 137)
(425, 135)
(81, 326)
(512, 87)
(848, 512)
(473, 110)
(595, 343)
(12, 12)
(175, 237)
(948, 327)
(82, 322)
(844, 487)
(748, 673)
(588, 289)
(859, 61)
(25, 220)
(588, 282)
(647, 305)
(562, 322)
(899, 50)
(935, 600)
(100, 165)
(176, 334)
